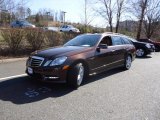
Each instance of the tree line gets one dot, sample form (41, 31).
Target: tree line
(145, 12)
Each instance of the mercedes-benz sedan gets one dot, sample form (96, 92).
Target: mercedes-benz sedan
(83, 55)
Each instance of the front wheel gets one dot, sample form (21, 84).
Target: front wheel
(128, 62)
(140, 52)
(76, 75)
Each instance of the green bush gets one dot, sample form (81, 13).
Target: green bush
(13, 38)
(35, 37)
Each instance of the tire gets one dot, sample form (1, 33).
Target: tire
(140, 52)
(76, 75)
(128, 62)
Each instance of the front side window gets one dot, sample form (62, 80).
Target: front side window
(117, 40)
(63, 26)
(106, 40)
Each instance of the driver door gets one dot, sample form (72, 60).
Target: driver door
(103, 56)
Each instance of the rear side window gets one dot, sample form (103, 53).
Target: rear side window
(117, 40)
(126, 41)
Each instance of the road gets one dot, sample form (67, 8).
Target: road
(112, 95)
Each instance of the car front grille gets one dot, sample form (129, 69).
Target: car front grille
(36, 61)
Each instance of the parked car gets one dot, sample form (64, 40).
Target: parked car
(82, 56)
(143, 48)
(68, 28)
(156, 44)
(21, 24)
(54, 29)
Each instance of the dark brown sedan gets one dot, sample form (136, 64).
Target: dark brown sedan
(83, 55)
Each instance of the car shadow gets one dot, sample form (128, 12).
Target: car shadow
(23, 90)
(145, 57)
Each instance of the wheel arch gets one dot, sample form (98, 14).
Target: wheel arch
(128, 53)
(86, 65)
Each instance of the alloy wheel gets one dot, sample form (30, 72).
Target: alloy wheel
(80, 74)
(128, 62)
(140, 52)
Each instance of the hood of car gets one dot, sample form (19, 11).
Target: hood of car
(142, 43)
(61, 51)
(157, 43)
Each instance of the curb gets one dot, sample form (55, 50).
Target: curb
(12, 60)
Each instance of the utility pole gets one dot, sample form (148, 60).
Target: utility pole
(47, 17)
(85, 13)
(64, 15)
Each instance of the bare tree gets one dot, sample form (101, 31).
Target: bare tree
(120, 9)
(5, 10)
(87, 16)
(29, 13)
(107, 10)
(19, 9)
(152, 17)
(139, 7)
(21, 12)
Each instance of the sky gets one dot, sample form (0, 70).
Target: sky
(74, 9)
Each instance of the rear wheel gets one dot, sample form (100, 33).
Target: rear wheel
(76, 75)
(140, 52)
(128, 62)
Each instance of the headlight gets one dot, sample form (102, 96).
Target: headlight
(47, 63)
(58, 61)
(148, 45)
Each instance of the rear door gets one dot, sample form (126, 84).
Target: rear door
(119, 50)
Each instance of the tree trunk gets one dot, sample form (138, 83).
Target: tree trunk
(117, 25)
(143, 6)
(139, 29)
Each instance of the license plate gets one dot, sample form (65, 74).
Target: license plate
(30, 70)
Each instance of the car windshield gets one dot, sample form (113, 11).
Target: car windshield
(84, 41)
(25, 22)
(150, 40)
(133, 40)
(70, 26)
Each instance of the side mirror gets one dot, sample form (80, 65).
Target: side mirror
(101, 46)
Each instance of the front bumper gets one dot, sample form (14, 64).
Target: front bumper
(49, 74)
(150, 50)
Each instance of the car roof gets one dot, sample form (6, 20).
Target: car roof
(113, 34)
(107, 33)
